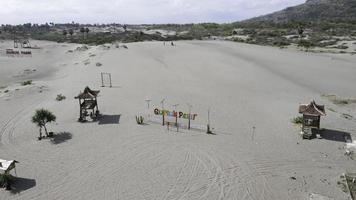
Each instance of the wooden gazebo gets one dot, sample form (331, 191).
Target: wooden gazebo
(88, 102)
(312, 113)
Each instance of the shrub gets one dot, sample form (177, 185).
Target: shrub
(29, 82)
(297, 120)
(139, 120)
(281, 43)
(238, 40)
(306, 44)
(60, 97)
(5, 180)
(342, 47)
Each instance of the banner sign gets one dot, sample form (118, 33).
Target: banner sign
(175, 114)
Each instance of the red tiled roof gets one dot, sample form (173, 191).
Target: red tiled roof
(312, 109)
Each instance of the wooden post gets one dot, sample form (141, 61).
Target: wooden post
(80, 111)
(102, 80)
(96, 102)
(163, 113)
(208, 131)
(175, 110)
(110, 80)
(190, 108)
(189, 122)
(319, 122)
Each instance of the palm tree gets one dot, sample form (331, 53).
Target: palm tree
(300, 31)
(65, 32)
(87, 31)
(71, 32)
(82, 30)
(41, 118)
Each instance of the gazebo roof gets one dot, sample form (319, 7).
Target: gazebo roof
(312, 109)
(88, 94)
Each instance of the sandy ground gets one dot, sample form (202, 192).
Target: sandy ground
(243, 86)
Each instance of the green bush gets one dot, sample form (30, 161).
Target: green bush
(139, 120)
(281, 43)
(297, 120)
(29, 82)
(238, 40)
(60, 97)
(306, 44)
(341, 47)
(5, 180)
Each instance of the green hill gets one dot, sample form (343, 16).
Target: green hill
(313, 11)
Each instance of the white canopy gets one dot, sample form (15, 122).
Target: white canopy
(7, 165)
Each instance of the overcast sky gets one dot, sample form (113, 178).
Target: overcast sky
(136, 11)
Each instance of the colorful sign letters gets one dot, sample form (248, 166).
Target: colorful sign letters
(175, 114)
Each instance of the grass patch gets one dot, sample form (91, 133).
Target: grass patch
(29, 82)
(297, 120)
(339, 101)
(331, 109)
(60, 97)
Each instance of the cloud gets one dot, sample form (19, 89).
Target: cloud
(136, 11)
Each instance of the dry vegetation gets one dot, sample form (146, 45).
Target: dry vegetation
(339, 101)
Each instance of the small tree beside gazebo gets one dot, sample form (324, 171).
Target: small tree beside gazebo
(312, 113)
(88, 104)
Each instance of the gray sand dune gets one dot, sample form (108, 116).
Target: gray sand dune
(244, 86)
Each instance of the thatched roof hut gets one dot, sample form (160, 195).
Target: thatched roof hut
(88, 101)
(88, 94)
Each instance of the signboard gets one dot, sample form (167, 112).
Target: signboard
(175, 114)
